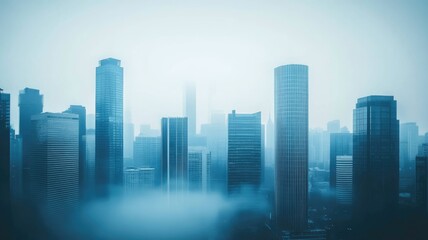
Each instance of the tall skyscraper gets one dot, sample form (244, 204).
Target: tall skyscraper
(409, 141)
(375, 157)
(30, 103)
(81, 112)
(109, 126)
(244, 163)
(190, 108)
(55, 163)
(147, 154)
(340, 144)
(174, 155)
(291, 146)
(5, 191)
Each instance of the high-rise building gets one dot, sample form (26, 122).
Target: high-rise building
(15, 165)
(375, 157)
(421, 195)
(291, 146)
(55, 163)
(343, 180)
(138, 180)
(199, 162)
(244, 163)
(409, 141)
(5, 191)
(216, 135)
(147, 154)
(190, 108)
(340, 145)
(174, 155)
(81, 112)
(30, 103)
(109, 126)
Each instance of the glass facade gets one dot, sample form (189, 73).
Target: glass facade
(174, 155)
(109, 126)
(291, 149)
(343, 180)
(244, 165)
(199, 169)
(54, 177)
(147, 153)
(375, 156)
(4, 149)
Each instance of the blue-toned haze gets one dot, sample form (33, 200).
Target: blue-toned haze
(228, 48)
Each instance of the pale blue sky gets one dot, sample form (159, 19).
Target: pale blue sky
(228, 48)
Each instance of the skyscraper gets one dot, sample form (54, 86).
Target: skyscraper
(199, 162)
(174, 155)
(30, 103)
(109, 126)
(343, 180)
(291, 146)
(190, 107)
(244, 163)
(409, 141)
(375, 157)
(5, 193)
(81, 112)
(340, 144)
(55, 163)
(90, 162)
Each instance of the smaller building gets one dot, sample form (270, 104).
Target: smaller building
(139, 180)
(199, 169)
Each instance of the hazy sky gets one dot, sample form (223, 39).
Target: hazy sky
(228, 48)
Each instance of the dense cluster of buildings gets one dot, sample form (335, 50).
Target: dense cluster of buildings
(58, 161)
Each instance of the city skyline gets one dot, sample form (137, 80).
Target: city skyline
(217, 59)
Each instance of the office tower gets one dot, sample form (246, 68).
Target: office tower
(291, 146)
(343, 180)
(81, 112)
(216, 135)
(109, 126)
(174, 155)
(190, 108)
(138, 180)
(375, 157)
(90, 162)
(147, 154)
(244, 162)
(30, 103)
(15, 165)
(340, 144)
(199, 162)
(5, 193)
(409, 141)
(55, 163)
(421, 195)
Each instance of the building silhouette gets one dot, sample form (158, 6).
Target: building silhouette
(244, 162)
(291, 146)
(147, 154)
(190, 108)
(5, 184)
(109, 127)
(199, 169)
(375, 157)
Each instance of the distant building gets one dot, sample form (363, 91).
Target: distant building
(216, 136)
(174, 155)
(147, 154)
(244, 166)
(190, 108)
(199, 166)
(55, 163)
(291, 149)
(81, 112)
(15, 165)
(30, 103)
(375, 157)
(409, 141)
(139, 180)
(90, 163)
(343, 181)
(340, 144)
(109, 127)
